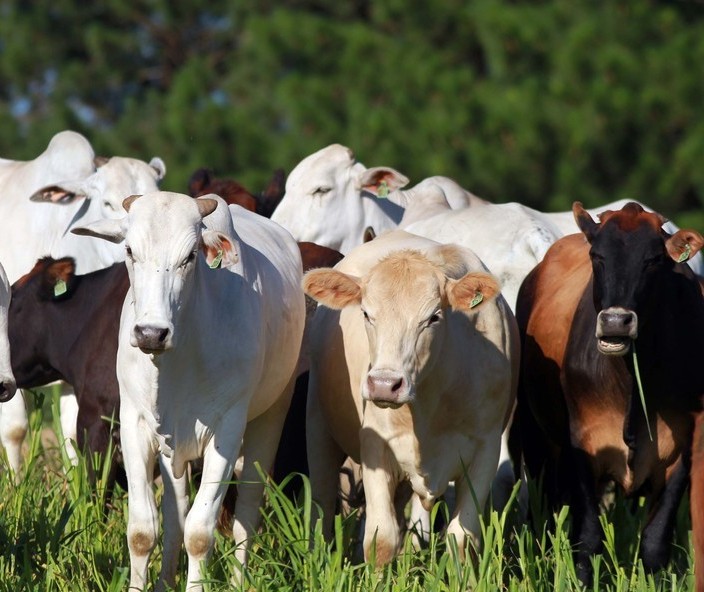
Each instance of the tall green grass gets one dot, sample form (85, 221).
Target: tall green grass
(55, 535)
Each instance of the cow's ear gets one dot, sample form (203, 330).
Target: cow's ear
(59, 194)
(584, 220)
(159, 167)
(109, 230)
(472, 291)
(58, 278)
(332, 288)
(684, 244)
(219, 249)
(381, 181)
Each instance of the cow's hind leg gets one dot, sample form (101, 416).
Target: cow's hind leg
(13, 429)
(325, 458)
(174, 509)
(657, 534)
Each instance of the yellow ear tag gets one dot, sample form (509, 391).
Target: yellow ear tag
(478, 297)
(60, 287)
(383, 190)
(215, 263)
(685, 254)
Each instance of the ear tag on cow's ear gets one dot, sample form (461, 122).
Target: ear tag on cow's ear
(383, 190)
(685, 254)
(478, 297)
(60, 287)
(215, 263)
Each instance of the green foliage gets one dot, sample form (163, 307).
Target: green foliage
(532, 101)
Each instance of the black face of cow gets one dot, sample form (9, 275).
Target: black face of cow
(628, 256)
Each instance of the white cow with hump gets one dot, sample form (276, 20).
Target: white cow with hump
(77, 188)
(414, 367)
(206, 365)
(331, 199)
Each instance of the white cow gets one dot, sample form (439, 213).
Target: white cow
(510, 239)
(331, 199)
(66, 174)
(205, 364)
(414, 376)
(7, 380)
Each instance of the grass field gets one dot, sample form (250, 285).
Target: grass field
(54, 535)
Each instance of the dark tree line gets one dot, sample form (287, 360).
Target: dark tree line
(530, 101)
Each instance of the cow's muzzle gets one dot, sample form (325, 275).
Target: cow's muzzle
(8, 388)
(386, 388)
(616, 328)
(151, 339)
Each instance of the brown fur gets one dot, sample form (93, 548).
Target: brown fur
(696, 502)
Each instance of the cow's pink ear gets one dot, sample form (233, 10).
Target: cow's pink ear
(56, 195)
(382, 180)
(584, 220)
(684, 244)
(332, 288)
(218, 249)
(472, 291)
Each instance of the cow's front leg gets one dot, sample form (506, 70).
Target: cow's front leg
(174, 510)
(13, 429)
(587, 533)
(218, 465)
(261, 439)
(143, 518)
(472, 490)
(382, 535)
(657, 534)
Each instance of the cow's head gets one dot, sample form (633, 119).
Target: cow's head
(407, 301)
(323, 202)
(113, 180)
(631, 256)
(163, 234)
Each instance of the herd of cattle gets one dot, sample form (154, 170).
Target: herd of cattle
(443, 322)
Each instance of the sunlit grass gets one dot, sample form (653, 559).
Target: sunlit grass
(55, 535)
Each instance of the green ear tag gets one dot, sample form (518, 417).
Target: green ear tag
(215, 263)
(383, 190)
(685, 254)
(478, 297)
(59, 287)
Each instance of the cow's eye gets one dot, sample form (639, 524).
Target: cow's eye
(322, 190)
(367, 318)
(128, 250)
(191, 257)
(108, 206)
(434, 318)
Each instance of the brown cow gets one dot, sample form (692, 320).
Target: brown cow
(203, 181)
(581, 311)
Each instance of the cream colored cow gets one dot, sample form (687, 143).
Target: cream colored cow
(414, 370)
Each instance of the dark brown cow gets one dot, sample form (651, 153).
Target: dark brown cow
(581, 311)
(203, 181)
(71, 334)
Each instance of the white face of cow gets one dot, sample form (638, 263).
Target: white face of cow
(104, 190)
(323, 199)
(163, 233)
(406, 302)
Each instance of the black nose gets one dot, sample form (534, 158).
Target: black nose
(151, 337)
(7, 390)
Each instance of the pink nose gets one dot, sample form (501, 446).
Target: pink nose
(386, 387)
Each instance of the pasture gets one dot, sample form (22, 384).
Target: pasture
(54, 535)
